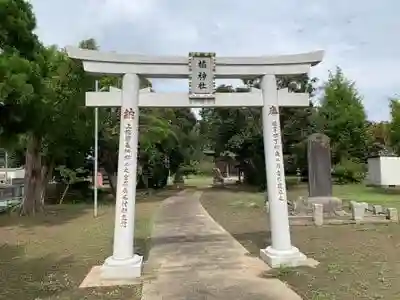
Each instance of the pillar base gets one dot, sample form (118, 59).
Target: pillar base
(115, 269)
(277, 258)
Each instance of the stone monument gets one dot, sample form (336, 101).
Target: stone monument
(319, 173)
(319, 166)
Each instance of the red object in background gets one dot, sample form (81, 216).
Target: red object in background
(99, 179)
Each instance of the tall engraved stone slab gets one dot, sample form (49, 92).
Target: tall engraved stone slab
(201, 75)
(319, 166)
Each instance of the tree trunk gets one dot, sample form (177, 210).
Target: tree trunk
(64, 194)
(112, 178)
(47, 174)
(108, 161)
(178, 178)
(113, 183)
(33, 177)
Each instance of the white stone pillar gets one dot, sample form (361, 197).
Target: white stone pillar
(124, 263)
(281, 252)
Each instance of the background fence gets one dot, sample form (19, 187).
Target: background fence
(12, 194)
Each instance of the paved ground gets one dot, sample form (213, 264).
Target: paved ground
(195, 258)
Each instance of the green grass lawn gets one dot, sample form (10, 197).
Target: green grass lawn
(356, 261)
(389, 197)
(198, 181)
(374, 195)
(48, 256)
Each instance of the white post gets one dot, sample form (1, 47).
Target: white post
(96, 150)
(281, 252)
(6, 163)
(124, 264)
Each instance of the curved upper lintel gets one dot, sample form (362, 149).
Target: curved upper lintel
(97, 62)
(312, 58)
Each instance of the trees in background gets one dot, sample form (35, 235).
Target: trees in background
(43, 118)
(41, 97)
(340, 115)
(393, 128)
(239, 130)
(45, 125)
(168, 138)
(379, 133)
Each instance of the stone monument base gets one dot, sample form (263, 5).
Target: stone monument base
(114, 269)
(329, 203)
(290, 258)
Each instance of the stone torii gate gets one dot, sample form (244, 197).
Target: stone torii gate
(202, 69)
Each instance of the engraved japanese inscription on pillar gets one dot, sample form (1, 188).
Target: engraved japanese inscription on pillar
(128, 116)
(277, 143)
(201, 75)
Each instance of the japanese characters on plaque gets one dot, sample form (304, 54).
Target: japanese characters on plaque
(201, 76)
(128, 116)
(277, 144)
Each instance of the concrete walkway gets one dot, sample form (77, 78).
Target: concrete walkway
(194, 258)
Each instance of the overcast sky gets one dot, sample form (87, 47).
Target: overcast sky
(362, 37)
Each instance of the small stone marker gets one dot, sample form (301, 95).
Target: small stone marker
(330, 204)
(377, 209)
(358, 211)
(267, 206)
(392, 214)
(370, 207)
(365, 205)
(318, 214)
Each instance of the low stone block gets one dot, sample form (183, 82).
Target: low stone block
(358, 211)
(330, 204)
(365, 204)
(318, 214)
(377, 209)
(267, 206)
(352, 203)
(392, 214)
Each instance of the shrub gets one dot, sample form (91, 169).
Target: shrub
(349, 171)
(205, 167)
